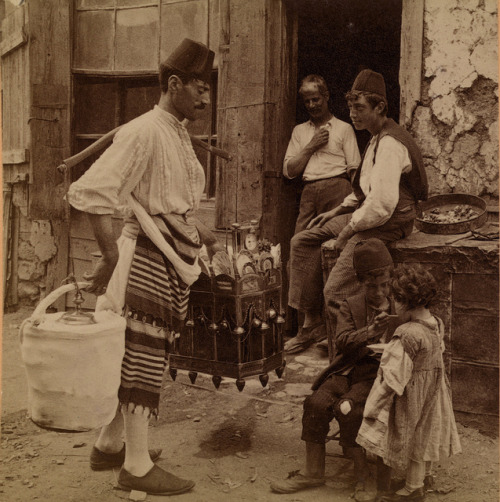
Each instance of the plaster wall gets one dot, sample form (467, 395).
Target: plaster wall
(456, 120)
(36, 247)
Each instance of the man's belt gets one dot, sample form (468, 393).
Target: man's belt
(341, 176)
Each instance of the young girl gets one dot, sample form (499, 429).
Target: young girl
(408, 418)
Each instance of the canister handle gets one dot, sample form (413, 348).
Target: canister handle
(52, 297)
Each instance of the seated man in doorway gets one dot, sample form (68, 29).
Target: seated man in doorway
(325, 153)
(342, 389)
(387, 185)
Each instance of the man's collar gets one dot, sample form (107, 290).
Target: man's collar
(167, 116)
(329, 121)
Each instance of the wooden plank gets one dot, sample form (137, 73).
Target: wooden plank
(410, 70)
(13, 42)
(50, 95)
(57, 268)
(15, 173)
(12, 297)
(246, 190)
(224, 169)
(240, 112)
(121, 5)
(214, 29)
(116, 73)
(281, 81)
(14, 21)
(6, 244)
(50, 33)
(246, 57)
(94, 4)
(257, 92)
(16, 97)
(51, 80)
(82, 249)
(15, 156)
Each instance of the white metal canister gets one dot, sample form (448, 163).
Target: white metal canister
(73, 370)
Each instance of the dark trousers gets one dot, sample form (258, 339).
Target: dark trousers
(306, 272)
(324, 404)
(319, 197)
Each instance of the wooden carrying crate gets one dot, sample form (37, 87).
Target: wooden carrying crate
(234, 329)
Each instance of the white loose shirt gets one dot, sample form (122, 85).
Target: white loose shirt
(151, 157)
(379, 182)
(339, 155)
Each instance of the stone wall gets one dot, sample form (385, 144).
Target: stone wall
(456, 121)
(467, 274)
(36, 247)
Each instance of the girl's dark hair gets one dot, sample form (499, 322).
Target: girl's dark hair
(376, 272)
(166, 72)
(413, 286)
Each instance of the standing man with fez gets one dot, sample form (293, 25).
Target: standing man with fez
(152, 171)
(324, 152)
(386, 187)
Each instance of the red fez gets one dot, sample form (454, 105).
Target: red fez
(369, 81)
(192, 58)
(370, 254)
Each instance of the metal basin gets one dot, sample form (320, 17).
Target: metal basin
(448, 202)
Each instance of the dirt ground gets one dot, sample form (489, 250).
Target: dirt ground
(232, 444)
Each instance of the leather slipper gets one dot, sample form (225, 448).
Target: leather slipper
(155, 482)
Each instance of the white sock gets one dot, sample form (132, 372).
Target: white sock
(136, 422)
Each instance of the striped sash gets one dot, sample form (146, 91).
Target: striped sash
(155, 292)
(156, 303)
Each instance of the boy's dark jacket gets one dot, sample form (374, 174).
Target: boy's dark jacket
(351, 338)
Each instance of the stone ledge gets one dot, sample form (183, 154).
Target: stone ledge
(467, 274)
(470, 256)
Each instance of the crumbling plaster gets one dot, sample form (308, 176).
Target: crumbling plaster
(456, 120)
(36, 247)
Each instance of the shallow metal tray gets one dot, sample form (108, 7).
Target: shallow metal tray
(451, 199)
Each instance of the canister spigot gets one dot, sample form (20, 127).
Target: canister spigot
(78, 316)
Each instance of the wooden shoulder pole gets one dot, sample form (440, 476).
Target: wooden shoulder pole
(103, 141)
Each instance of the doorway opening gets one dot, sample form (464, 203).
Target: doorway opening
(339, 38)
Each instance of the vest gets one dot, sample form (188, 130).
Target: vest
(413, 186)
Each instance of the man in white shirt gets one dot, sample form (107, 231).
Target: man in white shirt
(387, 185)
(150, 168)
(324, 152)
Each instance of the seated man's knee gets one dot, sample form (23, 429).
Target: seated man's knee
(346, 409)
(315, 405)
(342, 408)
(297, 239)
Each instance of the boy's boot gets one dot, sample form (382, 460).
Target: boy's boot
(365, 490)
(312, 477)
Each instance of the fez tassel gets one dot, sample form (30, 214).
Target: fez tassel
(108, 138)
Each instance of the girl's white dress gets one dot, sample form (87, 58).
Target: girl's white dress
(408, 414)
